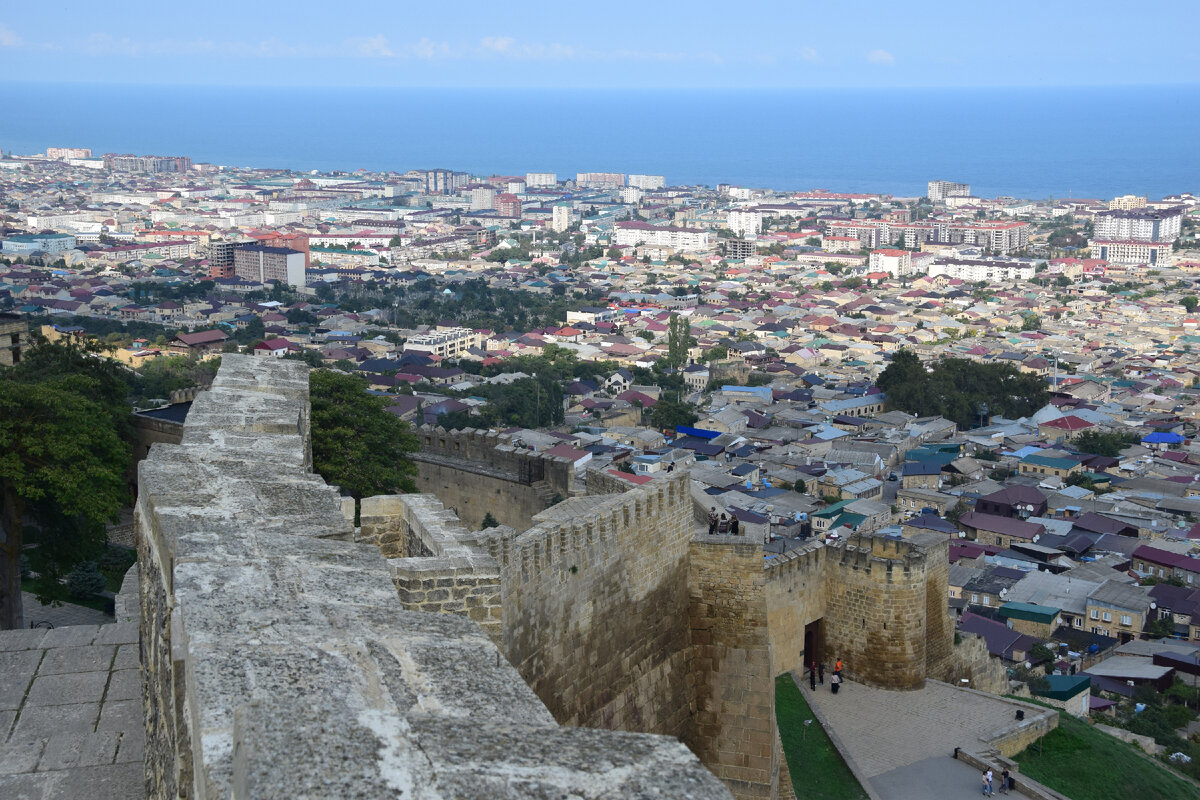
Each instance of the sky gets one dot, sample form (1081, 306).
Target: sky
(613, 44)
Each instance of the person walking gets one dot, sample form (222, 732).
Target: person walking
(983, 782)
(821, 673)
(835, 682)
(988, 780)
(812, 676)
(837, 667)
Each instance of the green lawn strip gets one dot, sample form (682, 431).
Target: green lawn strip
(1086, 764)
(818, 771)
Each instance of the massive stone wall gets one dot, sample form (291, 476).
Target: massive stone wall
(478, 472)
(278, 661)
(595, 600)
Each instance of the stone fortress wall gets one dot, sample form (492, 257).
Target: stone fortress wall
(613, 611)
(280, 661)
(475, 472)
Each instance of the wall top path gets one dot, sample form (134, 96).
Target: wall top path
(305, 676)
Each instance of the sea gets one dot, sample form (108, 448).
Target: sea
(1033, 143)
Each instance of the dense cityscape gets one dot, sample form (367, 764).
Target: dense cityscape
(1017, 376)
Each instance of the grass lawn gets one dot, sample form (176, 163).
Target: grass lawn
(1086, 764)
(818, 772)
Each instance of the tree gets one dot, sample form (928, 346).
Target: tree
(356, 443)
(62, 465)
(671, 413)
(1189, 303)
(1104, 444)
(1031, 322)
(85, 580)
(800, 486)
(489, 522)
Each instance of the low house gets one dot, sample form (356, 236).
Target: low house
(1042, 466)
(200, 343)
(1071, 693)
(1000, 531)
(1014, 501)
(921, 474)
(1118, 610)
(1035, 620)
(1149, 561)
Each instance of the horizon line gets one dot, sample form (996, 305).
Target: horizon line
(635, 89)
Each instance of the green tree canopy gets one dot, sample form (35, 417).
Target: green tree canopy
(1189, 302)
(668, 413)
(356, 443)
(1104, 444)
(63, 465)
(957, 389)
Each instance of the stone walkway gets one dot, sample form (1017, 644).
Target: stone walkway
(903, 742)
(61, 616)
(71, 713)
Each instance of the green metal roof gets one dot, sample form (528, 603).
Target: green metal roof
(1029, 611)
(1064, 687)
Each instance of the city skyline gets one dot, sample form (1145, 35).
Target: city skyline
(620, 45)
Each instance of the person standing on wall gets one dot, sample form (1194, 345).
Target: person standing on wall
(734, 524)
(712, 521)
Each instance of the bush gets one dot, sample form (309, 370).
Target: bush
(117, 559)
(85, 580)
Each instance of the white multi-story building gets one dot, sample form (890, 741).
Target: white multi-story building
(483, 198)
(1130, 253)
(745, 222)
(540, 180)
(632, 194)
(896, 263)
(1126, 202)
(560, 218)
(940, 190)
(1139, 225)
(983, 269)
(629, 234)
(647, 181)
(448, 342)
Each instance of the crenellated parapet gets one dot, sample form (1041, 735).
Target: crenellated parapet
(278, 661)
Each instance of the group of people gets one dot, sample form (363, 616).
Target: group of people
(988, 778)
(721, 523)
(816, 674)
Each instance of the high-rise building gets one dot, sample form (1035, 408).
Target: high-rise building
(560, 218)
(540, 180)
(1139, 224)
(940, 190)
(440, 181)
(1126, 202)
(148, 164)
(483, 198)
(508, 205)
(263, 263)
(220, 258)
(647, 181)
(63, 153)
(745, 222)
(600, 180)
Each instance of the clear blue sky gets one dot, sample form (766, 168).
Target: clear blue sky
(612, 44)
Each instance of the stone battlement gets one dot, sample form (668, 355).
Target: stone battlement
(279, 662)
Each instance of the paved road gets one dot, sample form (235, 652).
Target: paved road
(903, 742)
